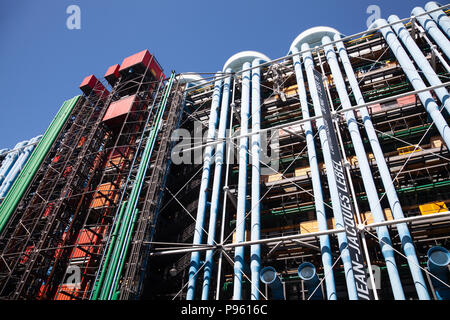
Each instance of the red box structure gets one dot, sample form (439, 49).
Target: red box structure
(91, 83)
(141, 61)
(112, 74)
(118, 109)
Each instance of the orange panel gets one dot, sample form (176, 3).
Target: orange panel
(71, 289)
(103, 191)
(403, 101)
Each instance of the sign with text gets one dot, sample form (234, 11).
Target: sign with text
(354, 246)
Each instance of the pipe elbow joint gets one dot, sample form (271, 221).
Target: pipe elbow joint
(416, 11)
(378, 23)
(393, 18)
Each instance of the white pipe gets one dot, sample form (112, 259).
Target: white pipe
(366, 173)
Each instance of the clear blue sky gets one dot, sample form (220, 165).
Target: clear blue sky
(42, 62)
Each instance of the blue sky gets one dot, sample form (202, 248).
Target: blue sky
(42, 62)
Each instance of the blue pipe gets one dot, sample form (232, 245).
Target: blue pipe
(207, 159)
(3, 151)
(9, 160)
(366, 173)
(242, 184)
(413, 76)
(337, 210)
(219, 160)
(255, 250)
(438, 261)
(18, 166)
(307, 272)
(315, 177)
(269, 276)
(420, 60)
(433, 30)
(439, 16)
(389, 187)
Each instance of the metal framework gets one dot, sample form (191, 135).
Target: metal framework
(72, 216)
(418, 164)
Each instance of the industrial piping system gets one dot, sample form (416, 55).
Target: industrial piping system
(269, 276)
(242, 184)
(438, 261)
(10, 159)
(432, 29)
(255, 227)
(307, 272)
(421, 61)
(18, 165)
(315, 179)
(391, 193)
(193, 80)
(202, 199)
(366, 173)
(242, 61)
(408, 67)
(235, 63)
(439, 16)
(219, 160)
(306, 39)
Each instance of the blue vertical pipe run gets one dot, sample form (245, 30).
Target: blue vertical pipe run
(219, 160)
(207, 159)
(438, 261)
(433, 30)
(439, 16)
(18, 166)
(9, 160)
(366, 173)
(394, 202)
(255, 250)
(337, 210)
(242, 184)
(307, 272)
(269, 276)
(420, 60)
(325, 247)
(413, 76)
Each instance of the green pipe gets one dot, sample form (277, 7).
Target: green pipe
(115, 253)
(122, 262)
(120, 245)
(123, 245)
(27, 174)
(99, 283)
(416, 188)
